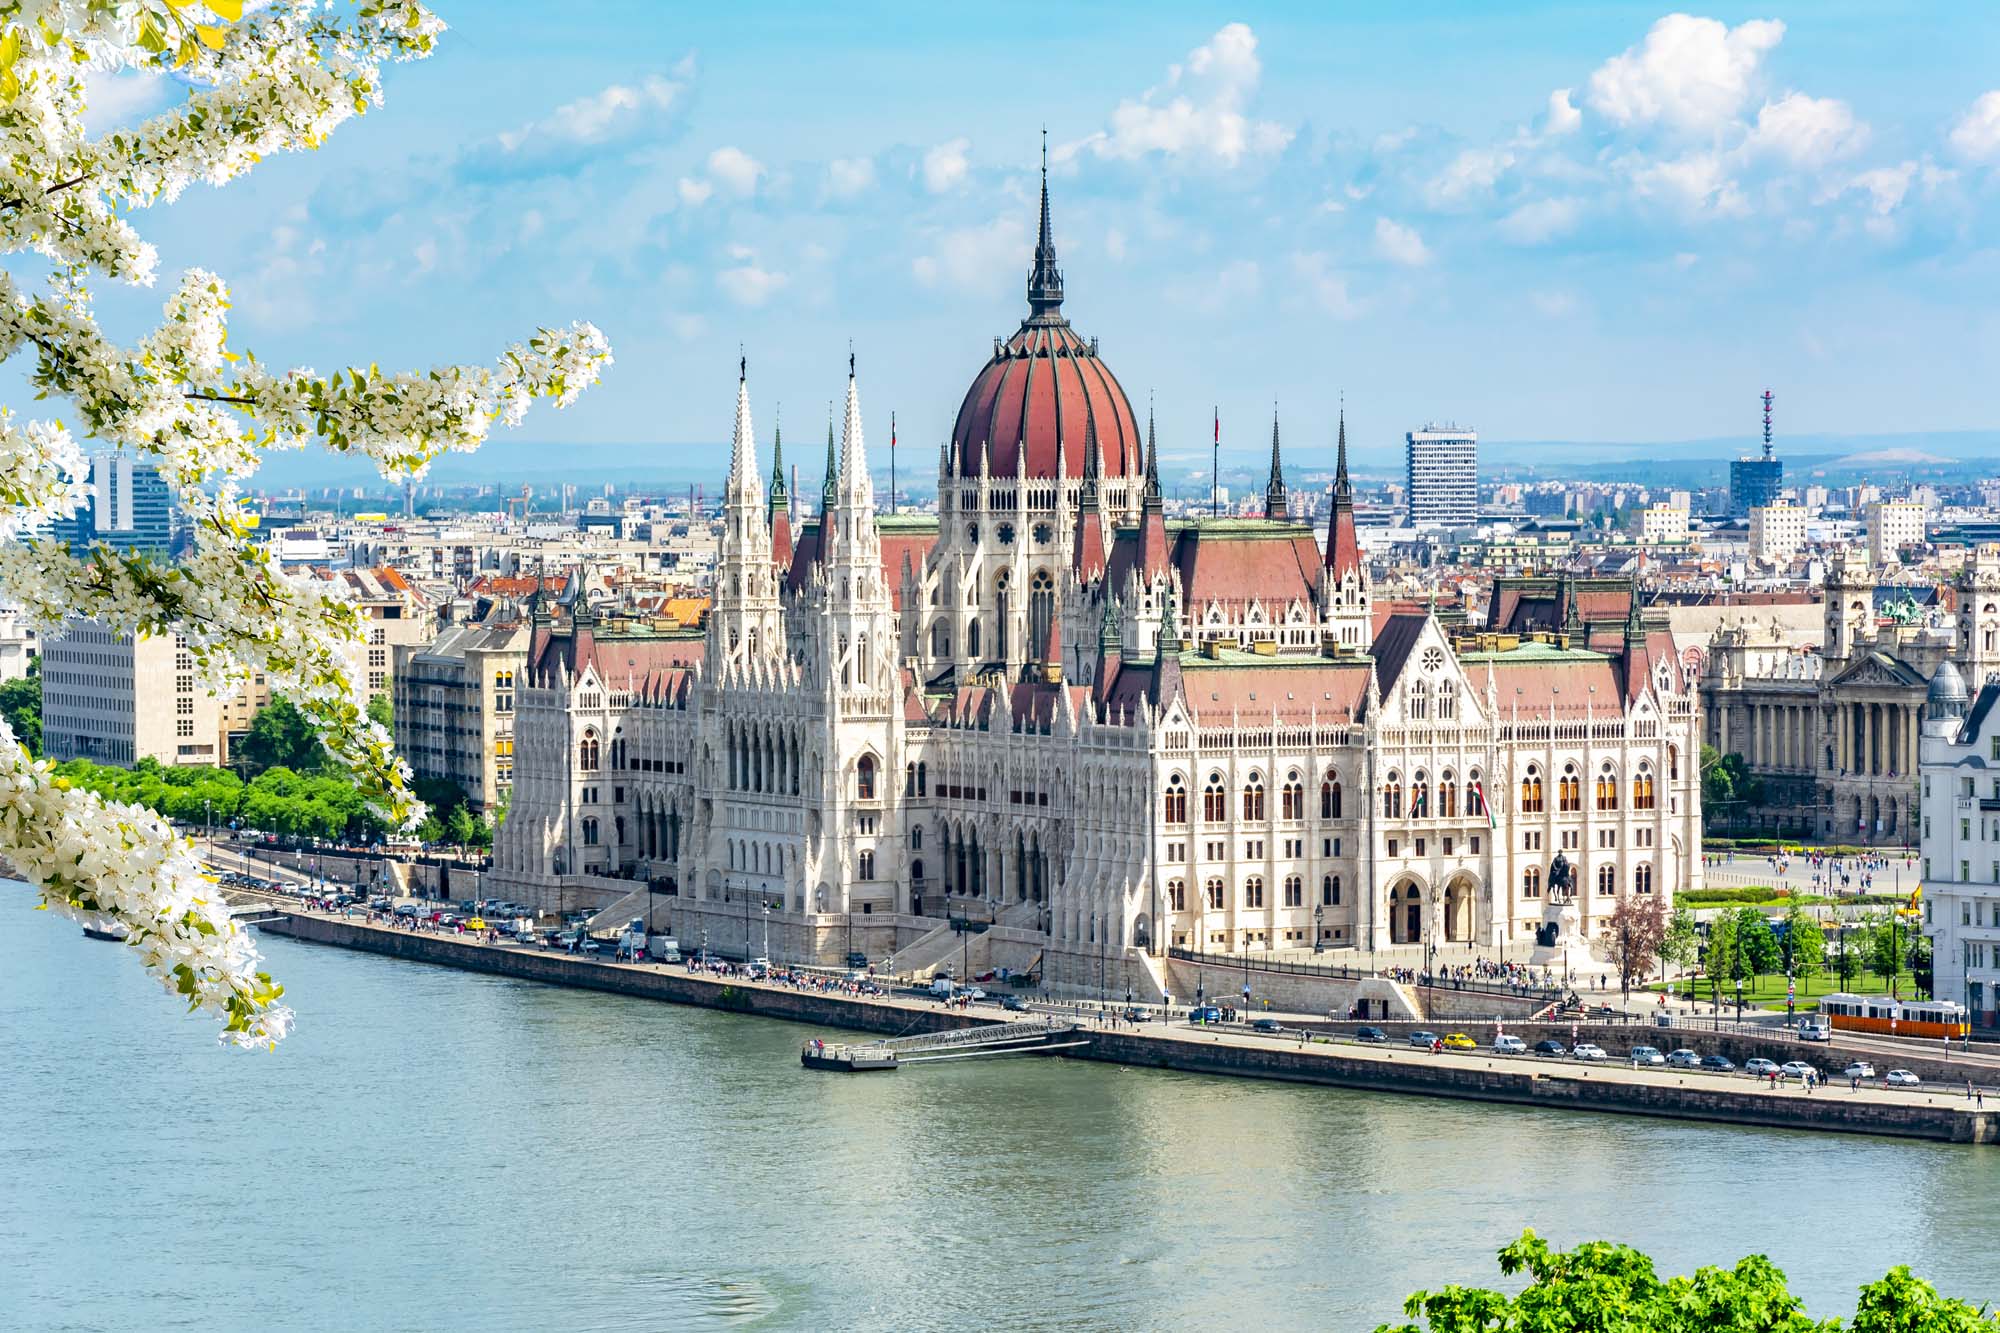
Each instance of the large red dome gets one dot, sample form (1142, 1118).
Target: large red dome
(1044, 391)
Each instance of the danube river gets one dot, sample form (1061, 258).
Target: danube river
(437, 1150)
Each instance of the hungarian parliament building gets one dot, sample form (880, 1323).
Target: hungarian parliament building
(1096, 733)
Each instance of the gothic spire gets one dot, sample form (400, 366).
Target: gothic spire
(743, 448)
(1342, 488)
(1045, 289)
(828, 487)
(853, 454)
(1152, 458)
(1274, 489)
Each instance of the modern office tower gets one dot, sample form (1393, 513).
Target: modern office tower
(130, 507)
(1443, 474)
(1755, 482)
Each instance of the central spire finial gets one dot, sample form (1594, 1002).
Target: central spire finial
(1045, 289)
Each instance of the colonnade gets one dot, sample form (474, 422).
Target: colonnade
(1876, 739)
(1779, 735)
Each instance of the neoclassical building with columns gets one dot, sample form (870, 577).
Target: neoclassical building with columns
(1049, 714)
(1834, 734)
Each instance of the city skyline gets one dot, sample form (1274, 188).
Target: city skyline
(1619, 225)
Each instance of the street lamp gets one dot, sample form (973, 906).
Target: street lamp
(1319, 932)
(767, 932)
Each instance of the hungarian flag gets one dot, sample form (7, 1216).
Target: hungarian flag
(1479, 789)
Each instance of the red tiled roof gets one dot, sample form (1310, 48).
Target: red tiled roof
(1039, 394)
(1253, 561)
(1326, 690)
(1564, 685)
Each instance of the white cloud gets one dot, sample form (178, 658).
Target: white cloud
(1696, 183)
(749, 285)
(1472, 172)
(1541, 221)
(1554, 305)
(1325, 284)
(1114, 244)
(975, 258)
(1563, 117)
(1394, 140)
(1884, 187)
(1199, 112)
(945, 165)
(849, 176)
(426, 255)
(694, 193)
(608, 114)
(1400, 245)
(1807, 131)
(112, 100)
(735, 169)
(1977, 134)
(1690, 74)
(1686, 260)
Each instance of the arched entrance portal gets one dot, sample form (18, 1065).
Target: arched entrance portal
(1458, 910)
(1406, 914)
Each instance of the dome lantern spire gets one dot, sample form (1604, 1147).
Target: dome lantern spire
(1045, 288)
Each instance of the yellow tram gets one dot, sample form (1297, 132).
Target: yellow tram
(1894, 1018)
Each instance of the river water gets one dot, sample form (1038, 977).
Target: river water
(438, 1150)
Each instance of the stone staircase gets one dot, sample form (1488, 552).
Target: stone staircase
(925, 952)
(614, 917)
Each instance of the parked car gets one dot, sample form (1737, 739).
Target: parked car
(1903, 1078)
(1014, 1004)
(1760, 1067)
(1684, 1058)
(1371, 1036)
(1207, 1013)
(1550, 1046)
(1797, 1069)
(1132, 1015)
(972, 993)
(1815, 1029)
(1859, 1069)
(1458, 1041)
(857, 959)
(1267, 1025)
(1423, 1039)
(1719, 1063)
(1509, 1044)
(1589, 1050)
(1647, 1055)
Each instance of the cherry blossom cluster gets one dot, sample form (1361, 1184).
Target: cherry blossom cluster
(104, 863)
(276, 80)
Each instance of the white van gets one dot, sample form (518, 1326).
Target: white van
(664, 949)
(943, 987)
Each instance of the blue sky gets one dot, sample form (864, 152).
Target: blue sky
(1564, 221)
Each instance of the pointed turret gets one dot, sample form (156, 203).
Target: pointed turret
(1274, 490)
(1152, 512)
(743, 445)
(1167, 655)
(1110, 650)
(855, 487)
(827, 489)
(1087, 557)
(1343, 549)
(780, 497)
(1045, 287)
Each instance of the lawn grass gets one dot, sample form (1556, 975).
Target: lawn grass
(1768, 992)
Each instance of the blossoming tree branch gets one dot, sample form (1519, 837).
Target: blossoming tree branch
(277, 80)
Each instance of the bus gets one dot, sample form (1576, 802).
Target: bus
(1894, 1018)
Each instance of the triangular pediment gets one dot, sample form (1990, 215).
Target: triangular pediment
(1881, 669)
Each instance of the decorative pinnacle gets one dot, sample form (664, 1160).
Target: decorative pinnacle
(1045, 290)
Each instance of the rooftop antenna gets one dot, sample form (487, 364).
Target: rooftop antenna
(1767, 425)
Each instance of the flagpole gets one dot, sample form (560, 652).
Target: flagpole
(1215, 469)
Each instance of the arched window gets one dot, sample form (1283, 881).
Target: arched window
(1531, 883)
(1295, 891)
(1420, 700)
(923, 779)
(1214, 808)
(1673, 763)
(1447, 796)
(1253, 798)
(1176, 800)
(586, 752)
(1253, 891)
(1214, 891)
(1177, 895)
(917, 840)
(589, 832)
(1642, 788)
(1447, 700)
(1475, 794)
(864, 778)
(1329, 797)
(909, 779)
(1531, 791)
(1642, 879)
(1041, 611)
(1294, 801)
(865, 866)
(1607, 879)
(1329, 891)
(1607, 789)
(1569, 791)
(1420, 796)
(1392, 797)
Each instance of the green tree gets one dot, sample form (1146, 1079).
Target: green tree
(281, 737)
(1722, 960)
(1805, 944)
(458, 826)
(1756, 943)
(1888, 948)
(381, 711)
(1682, 945)
(21, 706)
(1601, 1287)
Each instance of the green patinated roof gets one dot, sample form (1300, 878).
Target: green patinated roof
(1531, 653)
(906, 522)
(1230, 657)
